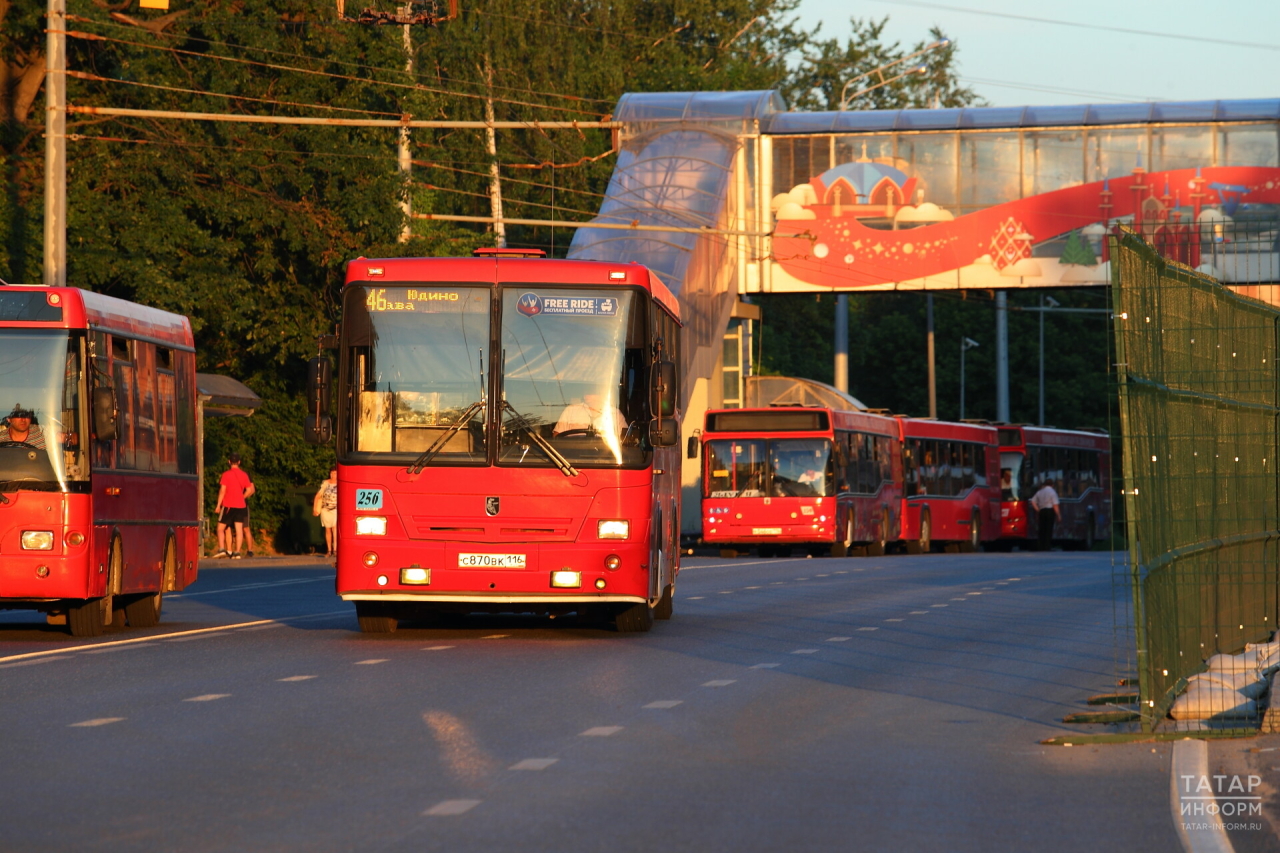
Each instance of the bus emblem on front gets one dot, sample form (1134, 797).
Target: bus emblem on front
(491, 506)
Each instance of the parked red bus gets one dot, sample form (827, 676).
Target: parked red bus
(951, 481)
(507, 431)
(1077, 463)
(99, 483)
(800, 476)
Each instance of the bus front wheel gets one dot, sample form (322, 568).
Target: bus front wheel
(924, 544)
(635, 619)
(374, 618)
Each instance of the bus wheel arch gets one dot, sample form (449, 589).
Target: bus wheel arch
(923, 543)
(975, 531)
(89, 617)
(143, 609)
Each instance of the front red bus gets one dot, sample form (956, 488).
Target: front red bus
(1077, 463)
(507, 431)
(99, 496)
(951, 484)
(800, 476)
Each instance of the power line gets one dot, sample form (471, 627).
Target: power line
(920, 4)
(1058, 91)
(331, 61)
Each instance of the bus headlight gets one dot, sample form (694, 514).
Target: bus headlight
(613, 529)
(37, 540)
(566, 579)
(371, 525)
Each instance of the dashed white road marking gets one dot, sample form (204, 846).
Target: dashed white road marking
(371, 661)
(100, 721)
(601, 731)
(533, 764)
(838, 639)
(841, 572)
(919, 613)
(802, 579)
(777, 583)
(766, 666)
(207, 697)
(726, 592)
(436, 648)
(959, 599)
(696, 597)
(939, 605)
(719, 682)
(805, 652)
(664, 703)
(753, 587)
(297, 678)
(868, 628)
(452, 807)
(895, 620)
(822, 576)
(973, 593)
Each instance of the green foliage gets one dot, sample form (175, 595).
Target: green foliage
(246, 228)
(888, 364)
(1078, 251)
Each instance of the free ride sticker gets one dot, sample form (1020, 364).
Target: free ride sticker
(533, 305)
(368, 498)
(491, 561)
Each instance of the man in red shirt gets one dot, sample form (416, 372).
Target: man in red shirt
(235, 486)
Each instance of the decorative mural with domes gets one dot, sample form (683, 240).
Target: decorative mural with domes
(902, 220)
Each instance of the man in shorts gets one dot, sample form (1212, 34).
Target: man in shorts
(232, 507)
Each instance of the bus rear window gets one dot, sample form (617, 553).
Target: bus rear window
(30, 306)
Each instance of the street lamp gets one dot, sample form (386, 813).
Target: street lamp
(966, 344)
(884, 81)
(1046, 302)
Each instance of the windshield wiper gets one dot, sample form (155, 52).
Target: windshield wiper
(556, 457)
(430, 453)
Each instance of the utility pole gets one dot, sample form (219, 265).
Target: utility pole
(1002, 356)
(495, 181)
(933, 366)
(842, 342)
(403, 154)
(1052, 303)
(55, 147)
(966, 344)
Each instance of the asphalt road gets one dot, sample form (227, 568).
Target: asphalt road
(889, 703)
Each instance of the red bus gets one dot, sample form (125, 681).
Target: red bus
(951, 484)
(800, 476)
(1077, 463)
(507, 431)
(99, 493)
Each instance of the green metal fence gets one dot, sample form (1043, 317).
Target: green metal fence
(1199, 401)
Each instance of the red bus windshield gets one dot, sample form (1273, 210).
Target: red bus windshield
(778, 467)
(42, 445)
(567, 374)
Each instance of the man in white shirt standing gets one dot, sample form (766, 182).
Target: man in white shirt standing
(1045, 502)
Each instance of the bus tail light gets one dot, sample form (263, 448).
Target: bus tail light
(371, 525)
(613, 562)
(415, 575)
(75, 538)
(37, 540)
(370, 559)
(566, 579)
(613, 529)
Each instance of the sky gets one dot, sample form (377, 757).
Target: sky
(1019, 62)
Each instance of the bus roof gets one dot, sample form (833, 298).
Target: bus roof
(927, 428)
(73, 308)
(496, 270)
(1054, 437)
(784, 419)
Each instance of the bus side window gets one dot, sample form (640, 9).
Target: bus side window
(100, 377)
(126, 396)
(144, 427)
(166, 428)
(185, 426)
(980, 465)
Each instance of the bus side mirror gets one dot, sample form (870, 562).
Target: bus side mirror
(318, 428)
(664, 432)
(664, 389)
(692, 450)
(104, 413)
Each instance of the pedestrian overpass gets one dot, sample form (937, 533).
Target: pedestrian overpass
(728, 194)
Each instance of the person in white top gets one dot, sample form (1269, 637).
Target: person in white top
(591, 414)
(1045, 503)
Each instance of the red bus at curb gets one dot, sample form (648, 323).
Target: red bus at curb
(1077, 463)
(99, 502)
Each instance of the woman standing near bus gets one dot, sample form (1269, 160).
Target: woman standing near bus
(325, 505)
